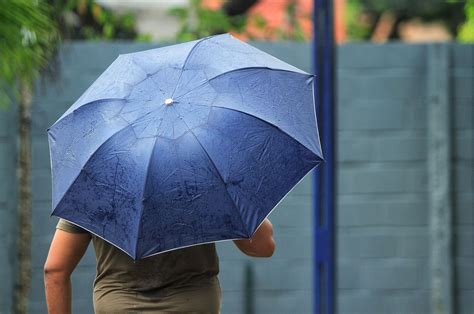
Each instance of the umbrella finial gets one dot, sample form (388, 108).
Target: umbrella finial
(169, 101)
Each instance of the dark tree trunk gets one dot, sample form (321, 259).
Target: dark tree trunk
(24, 201)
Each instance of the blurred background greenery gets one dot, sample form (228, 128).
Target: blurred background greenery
(30, 30)
(356, 20)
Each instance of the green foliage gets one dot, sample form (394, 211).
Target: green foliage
(86, 19)
(198, 21)
(466, 31)
(424, 8)
(30, 32)
(295, 31)
(28, 38)
(260, 21)
(363, 14)
(358, 28)
(144, 38)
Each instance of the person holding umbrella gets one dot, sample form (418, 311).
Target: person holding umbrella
(169, 151)
(183, 280)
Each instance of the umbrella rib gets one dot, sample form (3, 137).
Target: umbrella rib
(148, 75)
(144, 185)
(260, 68)
(88, 159)
(266, 122)
(85, 105)
(243, 69)
(219, 174)
(186, 62)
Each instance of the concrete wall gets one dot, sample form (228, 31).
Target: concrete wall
(462, 78)
(382, 234)
(383, 245)
(8, 146)
(383, 223)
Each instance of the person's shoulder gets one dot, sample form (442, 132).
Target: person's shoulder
(69, 227)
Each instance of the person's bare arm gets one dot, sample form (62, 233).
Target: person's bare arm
(261, 244)
(65, 253)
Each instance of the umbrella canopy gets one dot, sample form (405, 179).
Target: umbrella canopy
(183, 145)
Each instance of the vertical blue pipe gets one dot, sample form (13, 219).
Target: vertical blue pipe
(323, 182)
(317, 172)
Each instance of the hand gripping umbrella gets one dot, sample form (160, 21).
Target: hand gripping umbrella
(183, 145)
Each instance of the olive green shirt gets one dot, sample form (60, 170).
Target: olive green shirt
(183, 280)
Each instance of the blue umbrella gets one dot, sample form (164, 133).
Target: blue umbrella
(182, 145)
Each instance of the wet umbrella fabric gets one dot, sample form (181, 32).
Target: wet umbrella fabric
(182, 145)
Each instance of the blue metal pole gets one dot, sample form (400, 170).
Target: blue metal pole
(324, 183)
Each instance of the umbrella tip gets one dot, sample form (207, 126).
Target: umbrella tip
(169, 101)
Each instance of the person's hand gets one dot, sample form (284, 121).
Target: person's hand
(261, 244)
